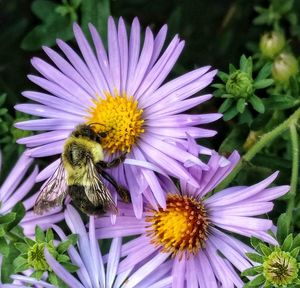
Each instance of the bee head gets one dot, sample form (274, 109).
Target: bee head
(87, 131)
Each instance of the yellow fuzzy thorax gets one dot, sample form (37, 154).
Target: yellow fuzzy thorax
(77, 175)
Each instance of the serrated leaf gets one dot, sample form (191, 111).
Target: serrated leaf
(264, 83)
(240, 105)
(287, 243)
(255, 257)
(257, 104)
(226, 105)
(282, 228)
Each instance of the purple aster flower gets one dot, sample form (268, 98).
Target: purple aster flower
(195, 229)
(91, 272)
(14, 190)
(123, 90)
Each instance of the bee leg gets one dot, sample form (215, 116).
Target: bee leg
(115, 162)
(123, 192)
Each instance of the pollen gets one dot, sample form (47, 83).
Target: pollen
(181, 227)
(121, 119)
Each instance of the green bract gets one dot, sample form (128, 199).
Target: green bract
(239, 90)
(32, 255)
(277, 265)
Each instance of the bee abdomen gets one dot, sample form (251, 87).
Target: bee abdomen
(77, 193)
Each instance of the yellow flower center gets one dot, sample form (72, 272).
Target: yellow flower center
(181, 227)
(121, 118)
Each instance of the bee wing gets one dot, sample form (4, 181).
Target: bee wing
(97, 192)
(52, 192)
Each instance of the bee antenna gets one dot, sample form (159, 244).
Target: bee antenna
(96, 123)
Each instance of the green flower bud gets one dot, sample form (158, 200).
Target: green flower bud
(271, 44)
(280, 268)
(284, 66)
(36, 258)
(239, 84)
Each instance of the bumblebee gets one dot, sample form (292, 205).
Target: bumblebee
(80, 175)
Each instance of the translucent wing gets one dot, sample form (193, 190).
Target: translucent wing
(52, 192)
(97, 192)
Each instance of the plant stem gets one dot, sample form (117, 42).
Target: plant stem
(264, 140)
(295, 170)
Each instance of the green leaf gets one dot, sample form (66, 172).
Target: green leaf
(96, 12)
(257, 282)
(62, 258)
(19, 261)
(264, 83)
(249, 272)
(39, 234)
(231, 113)
(76, 3)
(29, 242)
(264, 72)
(70, 267)
(294, 253)
(63, 246)
(243, 63)
(232, 69)
(240, 105)
(265, 249)
(296, 242)
(43, 8)
(2, 230)
(255, 257)
(223, 76)
(21, 268)
(53, 279)
(49, 235)
(226, 105)
(4, 247)
(22, 247)
(287, 243)
(257, 104)
(7, 218)
(255, 243)
(282, 228)
(19, 211)
(37, 274)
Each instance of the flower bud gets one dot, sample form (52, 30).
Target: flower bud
(271, 43)
(239, 84)
(284, 66)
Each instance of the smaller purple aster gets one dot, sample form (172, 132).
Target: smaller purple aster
(195, 232)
